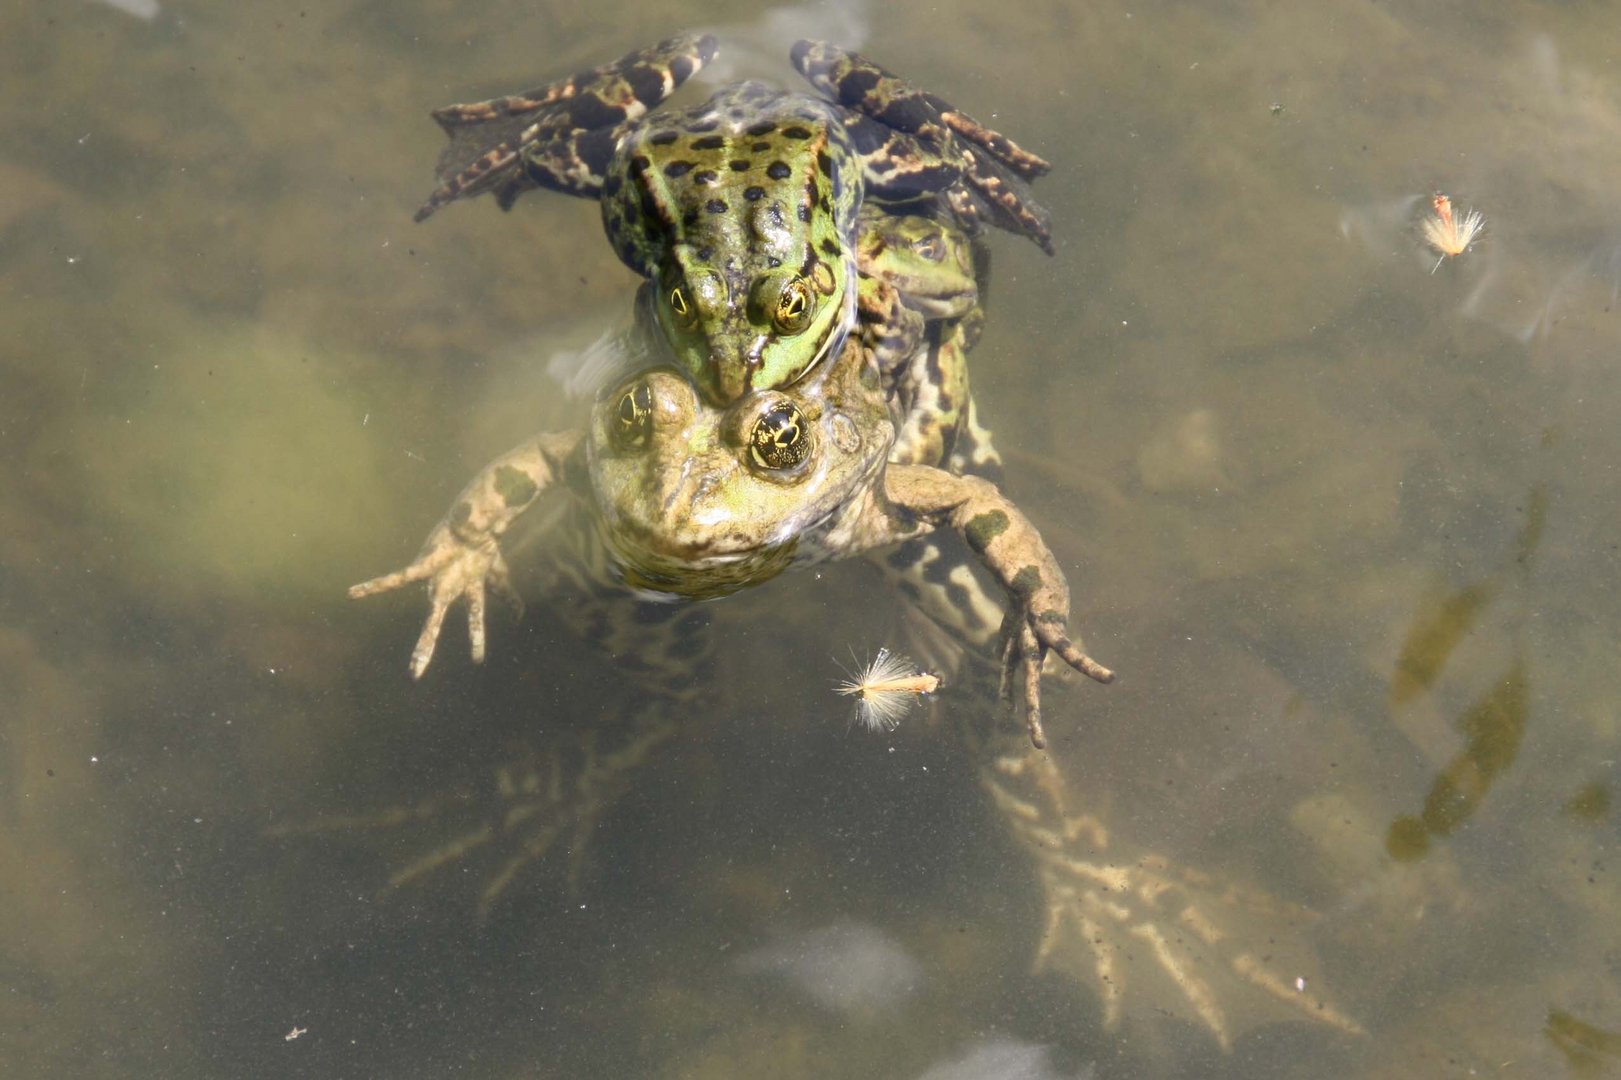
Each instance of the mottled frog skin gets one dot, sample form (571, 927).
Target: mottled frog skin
(703, 472)
(694, 501)
(742, 213)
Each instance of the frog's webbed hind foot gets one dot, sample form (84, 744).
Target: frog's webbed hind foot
(562, 792)
(560, 135)
(1149, 935)
(927, 146)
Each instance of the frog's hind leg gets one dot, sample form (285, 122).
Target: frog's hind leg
(554, 794)
(1152, 938)
(914, 143)
(559, 136)
(577, 773)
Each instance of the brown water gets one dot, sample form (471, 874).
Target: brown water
(1347, 527)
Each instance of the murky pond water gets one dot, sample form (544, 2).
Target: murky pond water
(1342, 516)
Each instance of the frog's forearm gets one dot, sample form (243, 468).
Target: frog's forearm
(511, 484)
(998, 532)
(1007, 544)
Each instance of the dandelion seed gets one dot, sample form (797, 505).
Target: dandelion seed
(885, 689)
(1449, 234)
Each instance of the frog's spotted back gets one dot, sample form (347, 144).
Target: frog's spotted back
(742, 213)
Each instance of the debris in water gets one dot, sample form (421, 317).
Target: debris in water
(1449, 234)
(1003, 1059)
(848, 967)
(886, 688)
(141, 9)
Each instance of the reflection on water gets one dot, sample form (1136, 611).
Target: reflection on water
(1591, 1051)
(1493, 727)
(846, 967)
(1002, 1059)
(1285, 468)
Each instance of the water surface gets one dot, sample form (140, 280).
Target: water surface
(1346, 525)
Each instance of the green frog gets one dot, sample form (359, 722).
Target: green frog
(692, 481)
(743, 214)
(677, 499)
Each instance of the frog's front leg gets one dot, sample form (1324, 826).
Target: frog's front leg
(462, 556)
(1009, 546)
(559, 136)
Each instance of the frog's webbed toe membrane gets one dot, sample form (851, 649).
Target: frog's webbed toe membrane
(1002, 198)
(916, 144)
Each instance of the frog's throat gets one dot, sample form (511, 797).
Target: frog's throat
(663, 577)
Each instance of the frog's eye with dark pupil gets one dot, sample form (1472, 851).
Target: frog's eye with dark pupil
(930, 248)
(633, 418)
(681, 307)
(794, 306)
(780, 440)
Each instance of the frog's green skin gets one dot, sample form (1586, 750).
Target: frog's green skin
(673, 496)
(670, 492)
(693, 500)
(743, 213)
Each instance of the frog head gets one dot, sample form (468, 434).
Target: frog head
(935, 264)
(696, 500)
(741, 215)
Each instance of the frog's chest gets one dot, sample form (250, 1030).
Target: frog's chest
(752, 180)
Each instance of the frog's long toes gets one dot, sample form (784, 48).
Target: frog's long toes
(376, 585)
(1072, 655)
(422, 655)
(1038, 734)
(1031, 663)
(475, 623)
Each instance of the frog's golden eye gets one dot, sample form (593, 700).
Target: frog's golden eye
(682, 307)
(780, 439)
(633, 417)
(930, 248)
(794, 306)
